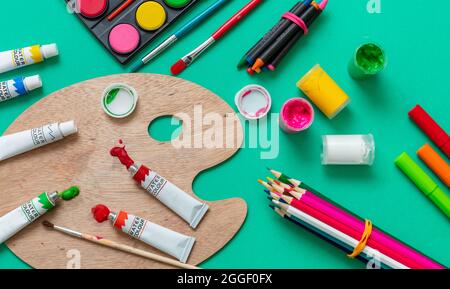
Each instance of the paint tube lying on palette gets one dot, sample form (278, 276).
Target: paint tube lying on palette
(18, 143)
(187, 207)
(16, 58)
(163, 239)
(19, 86)
(19, 218)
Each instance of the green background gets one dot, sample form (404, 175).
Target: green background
(415, 37)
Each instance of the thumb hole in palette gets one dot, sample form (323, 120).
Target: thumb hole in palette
(165, 128)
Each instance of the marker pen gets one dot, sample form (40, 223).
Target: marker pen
(21, 57)
(19, 86)
(21, 217)
(424, 182)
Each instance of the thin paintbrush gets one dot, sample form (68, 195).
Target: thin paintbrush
(179, 34)
(184, 62)
(118, 246)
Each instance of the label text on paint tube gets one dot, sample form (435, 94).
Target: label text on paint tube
(137, 227)
(156, 185)
(19, 57)
(4, 91)
(186, 206)
(30, 211)
(37, 135)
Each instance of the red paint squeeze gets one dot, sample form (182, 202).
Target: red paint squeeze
(122, 154)
(101, 213)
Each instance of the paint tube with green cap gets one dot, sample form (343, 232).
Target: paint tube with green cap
(424, 182)
(21, 217)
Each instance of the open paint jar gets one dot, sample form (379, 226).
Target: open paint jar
(253, 101)
(119, 100)
(296, 115)
(369, 59)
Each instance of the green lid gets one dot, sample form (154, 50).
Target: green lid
(416, 174)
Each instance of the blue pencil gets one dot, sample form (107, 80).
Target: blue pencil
(178, 34)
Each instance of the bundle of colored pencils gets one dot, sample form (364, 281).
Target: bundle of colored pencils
(270, 50)
(304, 206)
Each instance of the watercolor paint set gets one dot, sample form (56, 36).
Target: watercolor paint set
(124, 27)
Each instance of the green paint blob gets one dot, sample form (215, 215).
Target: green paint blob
(46, 203)
(370, 58)
(70, 193)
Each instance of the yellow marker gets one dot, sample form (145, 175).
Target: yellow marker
(323, 91)
(151, 15)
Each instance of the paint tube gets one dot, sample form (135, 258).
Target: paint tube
(187, 207)
(163, 239)
(19, 86)
(21, 57)
(21, 217)
(18, 143)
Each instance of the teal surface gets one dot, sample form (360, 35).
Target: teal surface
(418, 71)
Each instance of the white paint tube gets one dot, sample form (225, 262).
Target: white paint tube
(19, 218)
(161, 238)
(186, 206)
(18, 143)
(21, 57)
(19, 86)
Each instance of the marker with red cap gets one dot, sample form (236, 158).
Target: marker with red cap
(426, 123)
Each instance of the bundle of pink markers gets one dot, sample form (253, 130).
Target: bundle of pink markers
(304, 206)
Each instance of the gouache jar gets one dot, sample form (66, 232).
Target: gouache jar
(368, 60)
(323, 91)
(348, 150)
(296, 115)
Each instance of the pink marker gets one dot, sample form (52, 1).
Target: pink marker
(296, 115)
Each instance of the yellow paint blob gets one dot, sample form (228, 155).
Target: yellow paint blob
(151, 15)
(323, 91)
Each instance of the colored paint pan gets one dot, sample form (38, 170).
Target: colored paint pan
(135, 26)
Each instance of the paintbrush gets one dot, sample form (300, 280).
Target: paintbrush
(184, 62)
(118, 246)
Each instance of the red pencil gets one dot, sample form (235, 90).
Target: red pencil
(184, 62)
(120, 9)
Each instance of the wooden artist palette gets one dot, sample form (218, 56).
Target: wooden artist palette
(84, 160)
(133, 28)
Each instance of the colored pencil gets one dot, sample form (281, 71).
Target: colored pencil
(120, 9)
(187, 60)
(273, 34)
(308, 17)
(282, 54)
(387, 243)
(118, 246)
(183, 31)
(338, 235)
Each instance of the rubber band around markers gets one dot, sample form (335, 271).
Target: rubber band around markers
(363, 242)
(296, 20)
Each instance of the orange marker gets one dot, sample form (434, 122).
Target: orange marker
(434, 161)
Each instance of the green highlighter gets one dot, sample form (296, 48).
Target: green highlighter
(424, 182)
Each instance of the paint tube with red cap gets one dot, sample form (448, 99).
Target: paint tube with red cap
(163, 239)
(187, 207)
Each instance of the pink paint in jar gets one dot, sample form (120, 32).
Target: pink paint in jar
(296, 115)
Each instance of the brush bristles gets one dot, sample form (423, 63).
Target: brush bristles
(48, 224)
(178, 67)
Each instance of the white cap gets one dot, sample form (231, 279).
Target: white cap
(32, 82)
(67, 128)
(49, 50)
